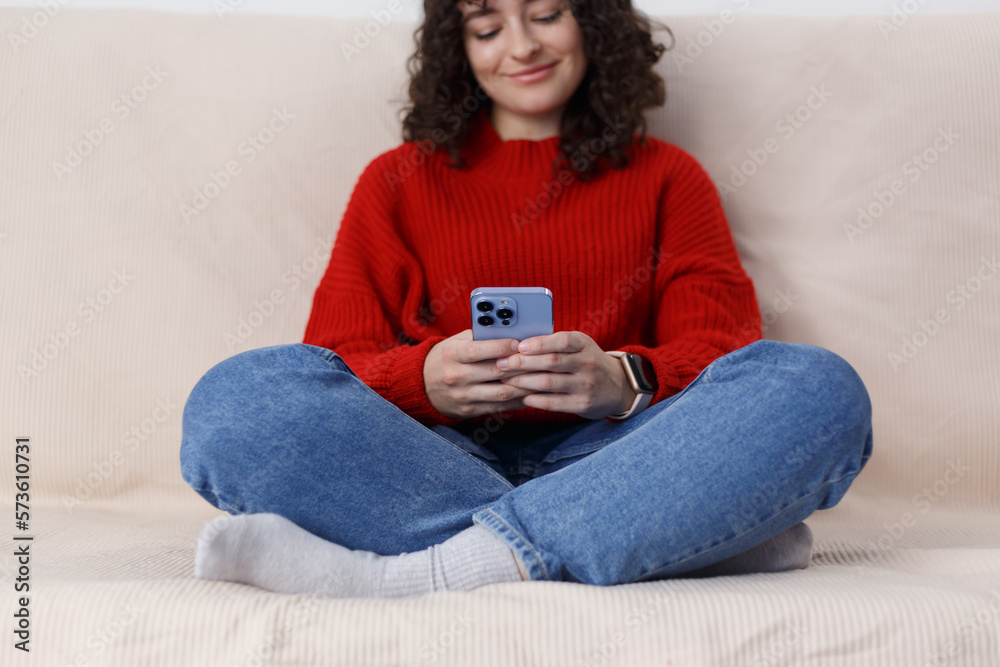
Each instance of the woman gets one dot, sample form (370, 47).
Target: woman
(382, 457)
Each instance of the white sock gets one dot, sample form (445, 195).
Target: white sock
(269, 551)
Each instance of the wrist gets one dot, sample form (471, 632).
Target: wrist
(640, 381)
(628, 394)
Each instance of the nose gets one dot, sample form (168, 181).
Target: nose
(524, 44)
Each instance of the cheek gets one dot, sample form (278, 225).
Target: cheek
(482, 57)
(570, 43)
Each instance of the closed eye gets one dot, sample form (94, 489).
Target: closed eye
(551, 18)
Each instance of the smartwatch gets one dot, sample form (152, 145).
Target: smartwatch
(641, 377)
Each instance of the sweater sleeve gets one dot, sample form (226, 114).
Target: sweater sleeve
(372, 281)
(705, 304)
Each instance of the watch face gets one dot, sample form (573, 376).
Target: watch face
(642, 369)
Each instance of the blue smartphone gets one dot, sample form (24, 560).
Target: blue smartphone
(511, 312)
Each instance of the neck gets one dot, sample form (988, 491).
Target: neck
(534, 128)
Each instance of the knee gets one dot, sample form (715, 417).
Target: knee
(814, 374)
(820, 388)
(833, 401)
(242, 401)
(828, 380)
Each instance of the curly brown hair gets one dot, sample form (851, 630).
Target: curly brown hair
(619, 84)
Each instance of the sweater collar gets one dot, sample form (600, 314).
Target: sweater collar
(514, 159)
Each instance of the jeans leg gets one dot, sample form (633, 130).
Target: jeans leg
(761, 439)
(290, 429)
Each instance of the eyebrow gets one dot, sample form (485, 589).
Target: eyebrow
(484, 10)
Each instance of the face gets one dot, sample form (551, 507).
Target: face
(511, 38)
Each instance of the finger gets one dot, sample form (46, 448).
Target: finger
(550, 402)
(537, 382)
(519, 363)
(557, 402)
(495, 392)
(561, 341)
(470, 351)
(488, 371)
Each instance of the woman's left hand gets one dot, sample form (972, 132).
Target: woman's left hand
(586, 381)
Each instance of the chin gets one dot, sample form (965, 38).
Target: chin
(535, 107)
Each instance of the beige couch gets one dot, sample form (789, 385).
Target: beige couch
(170, 187)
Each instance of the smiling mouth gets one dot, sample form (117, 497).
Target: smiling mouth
(533, 70)
(533, 73)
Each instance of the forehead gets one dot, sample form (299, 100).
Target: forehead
(474, 8)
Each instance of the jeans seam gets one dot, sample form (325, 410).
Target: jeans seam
(487, 456)
(708, 369)
(589, 448)
(520, 538)
(220, 503)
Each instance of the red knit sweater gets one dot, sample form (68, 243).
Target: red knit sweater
(640, 259)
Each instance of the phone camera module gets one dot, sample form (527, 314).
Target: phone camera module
(484, 306)
(505, 313)
(506, 323)
(485, 321)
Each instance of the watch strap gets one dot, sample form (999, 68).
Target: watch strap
(643, 397)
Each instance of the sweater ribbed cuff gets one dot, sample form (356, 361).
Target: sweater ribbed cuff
(406, 384)
(670, 375)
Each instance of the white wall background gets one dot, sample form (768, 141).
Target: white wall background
(412, 9)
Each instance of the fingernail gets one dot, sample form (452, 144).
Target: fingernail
(502, 364)
(513, 346)
(523, 346)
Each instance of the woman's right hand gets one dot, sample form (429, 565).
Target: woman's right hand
(458, 373)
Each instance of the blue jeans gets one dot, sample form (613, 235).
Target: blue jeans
(762, 438)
